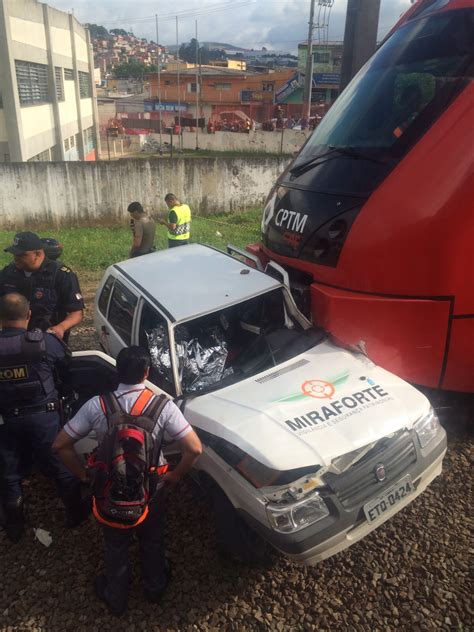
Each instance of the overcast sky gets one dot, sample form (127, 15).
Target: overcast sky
(276, 24)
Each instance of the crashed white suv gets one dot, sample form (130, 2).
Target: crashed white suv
(306, 445)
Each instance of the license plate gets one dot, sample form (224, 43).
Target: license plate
(390, 498)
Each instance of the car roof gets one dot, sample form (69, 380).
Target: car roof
(194, 279)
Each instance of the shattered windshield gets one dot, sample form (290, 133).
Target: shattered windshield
(236, 342)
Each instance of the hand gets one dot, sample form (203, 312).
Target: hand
(57, 330)
(171, 479)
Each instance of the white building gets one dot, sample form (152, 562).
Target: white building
(47, 95)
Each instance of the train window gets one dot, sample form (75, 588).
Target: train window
(402, 90)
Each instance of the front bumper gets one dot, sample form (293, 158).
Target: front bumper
(345, 527)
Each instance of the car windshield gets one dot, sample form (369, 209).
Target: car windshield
(401, 91)
(236, 342)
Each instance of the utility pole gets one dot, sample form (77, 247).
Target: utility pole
(360, 36)
(158, 64)
(197, 89)
(179, 86)
(308, 80)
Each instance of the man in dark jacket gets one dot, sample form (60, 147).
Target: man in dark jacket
(29, 412)
(51, 288)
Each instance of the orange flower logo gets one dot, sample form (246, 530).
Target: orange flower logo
(318, 389)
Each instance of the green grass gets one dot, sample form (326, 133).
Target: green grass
(94, 249)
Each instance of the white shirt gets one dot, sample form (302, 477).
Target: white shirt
(90, 416)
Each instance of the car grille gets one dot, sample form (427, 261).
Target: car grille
(359, 483)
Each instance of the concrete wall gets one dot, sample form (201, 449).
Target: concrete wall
(78, 194)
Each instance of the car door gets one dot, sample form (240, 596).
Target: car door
(118, 302)
(89, 373)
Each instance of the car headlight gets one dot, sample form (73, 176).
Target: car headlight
(291, 518)
(427, 427)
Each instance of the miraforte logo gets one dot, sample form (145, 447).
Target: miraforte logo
(319, 389)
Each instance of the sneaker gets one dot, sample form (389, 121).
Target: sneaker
(155, 597)
(100, 584)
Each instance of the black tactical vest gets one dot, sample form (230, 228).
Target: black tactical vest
(39, 288)
(26, 378)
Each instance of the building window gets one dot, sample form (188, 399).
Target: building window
(69, 74)
(167, 82)
(66, 144)
(84, 85)
(58, 82)
(72, 142)
(192, 87)
(322, 57)
(32, 80)
(44, 156)
(223, 86)
(267, 87)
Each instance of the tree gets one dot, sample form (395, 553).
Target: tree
(98, 32)
(187, 52)
(132, 69)
(118, 32)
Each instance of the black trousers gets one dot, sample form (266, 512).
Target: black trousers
(117, 542)
(34, 434)
(173, 243)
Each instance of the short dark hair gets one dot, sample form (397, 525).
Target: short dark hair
(13, 307)
(135, 207)
(169, 197)
(132, 364)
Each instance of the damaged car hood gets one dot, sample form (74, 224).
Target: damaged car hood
(309, 410)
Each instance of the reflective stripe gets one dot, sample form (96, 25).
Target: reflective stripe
(117, 525)
(141, 401)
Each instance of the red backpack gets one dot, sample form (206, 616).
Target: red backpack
(125, 460)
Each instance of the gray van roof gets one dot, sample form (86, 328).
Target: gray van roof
(194, 279)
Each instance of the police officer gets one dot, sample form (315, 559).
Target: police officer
(29, 411)
(51, 288)
(178, 223)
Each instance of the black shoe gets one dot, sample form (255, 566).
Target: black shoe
(100, 584)
(155, 597)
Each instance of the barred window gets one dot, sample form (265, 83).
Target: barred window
(44, 156)
(84, 85)
(69, 74)
(58, 81)
(32, 82)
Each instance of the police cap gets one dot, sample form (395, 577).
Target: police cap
(23, 242)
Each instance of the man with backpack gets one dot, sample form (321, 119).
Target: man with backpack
(128, 473)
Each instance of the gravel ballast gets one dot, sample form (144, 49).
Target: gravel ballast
(412, 573)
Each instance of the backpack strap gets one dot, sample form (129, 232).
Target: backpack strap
(110, 405)
(153, 413)
(141, 402)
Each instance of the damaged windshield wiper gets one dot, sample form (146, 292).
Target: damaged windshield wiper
(343, 151)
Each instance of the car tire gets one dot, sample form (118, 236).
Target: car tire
(236, 541)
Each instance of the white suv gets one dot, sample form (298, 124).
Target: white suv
(306, 445)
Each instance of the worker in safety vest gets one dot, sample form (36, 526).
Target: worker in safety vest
(178, 223)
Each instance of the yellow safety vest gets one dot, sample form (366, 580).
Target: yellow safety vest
(183, 225)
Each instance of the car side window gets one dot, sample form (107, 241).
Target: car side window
(105, 295)
(153, 336)
(121, 311)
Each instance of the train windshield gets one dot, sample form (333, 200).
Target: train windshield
(401, 91)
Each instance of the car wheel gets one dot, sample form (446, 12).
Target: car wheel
(235, 538)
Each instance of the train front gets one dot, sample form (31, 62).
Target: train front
(373, 219)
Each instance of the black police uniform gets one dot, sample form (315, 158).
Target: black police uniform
(53, 291)
(29, 408)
